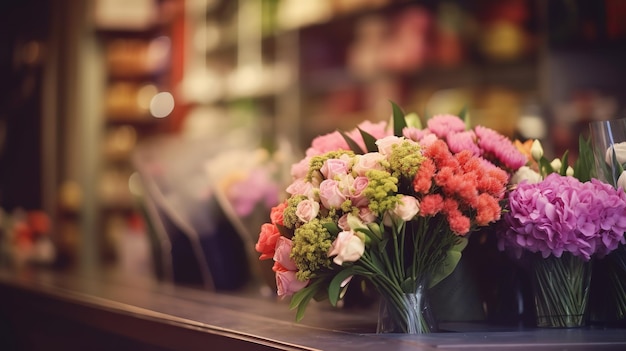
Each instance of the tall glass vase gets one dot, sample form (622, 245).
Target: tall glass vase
(561, 290)
(408, 313)
(608, 289)
(609, 147)
(608, 141)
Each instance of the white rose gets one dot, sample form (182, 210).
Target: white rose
(385, 145)
(348, 247)
(620, 153)
(526, 173)
(366, 162)
(407, 208)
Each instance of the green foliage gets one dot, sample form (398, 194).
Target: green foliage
(449, 264)
(584, 168)
(370, 141)
(399, 123)
(352, 144)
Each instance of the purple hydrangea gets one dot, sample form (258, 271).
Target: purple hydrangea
(561, 214)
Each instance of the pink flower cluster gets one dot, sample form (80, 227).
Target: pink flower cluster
(480, 141)
(561, 214)
(334, 141)
(459, 187)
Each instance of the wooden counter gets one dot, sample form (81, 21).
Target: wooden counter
(50, 310)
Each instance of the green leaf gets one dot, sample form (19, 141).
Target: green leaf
(545, 167)
(352, 144)
(301, 299)
(335, 288)
(284, 231)
(564, 163)
(617, 167)
(446, 268)
(299, 296)
(584, 167)
(463, 114)
(373, 237)
(370, 141)
(332, 227)
(399, 123)
(376, 261)
(382, 244)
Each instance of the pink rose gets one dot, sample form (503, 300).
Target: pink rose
(330, 194)
(385, 145)
(301, 187)
(346, 185)
(346, 248)
(366, 215)
(357, 197)
(334, 167)
(307, 210)
(286, 282)
(282, 252)
(342, 222)
(366, 162)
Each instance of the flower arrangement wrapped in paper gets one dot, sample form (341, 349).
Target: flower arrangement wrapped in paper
(392, 205)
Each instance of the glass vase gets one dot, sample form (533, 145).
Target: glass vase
(617, 274)
(561, 290)
(408, 313)
(604, 136)
(608, 289)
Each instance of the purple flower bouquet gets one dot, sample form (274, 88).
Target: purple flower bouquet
(565, 223)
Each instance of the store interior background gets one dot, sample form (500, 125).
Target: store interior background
(111, 109)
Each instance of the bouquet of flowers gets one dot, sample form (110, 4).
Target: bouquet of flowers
(566, 221)
(392, 205)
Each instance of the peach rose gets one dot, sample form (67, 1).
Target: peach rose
(276, 214)
(266, 244)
